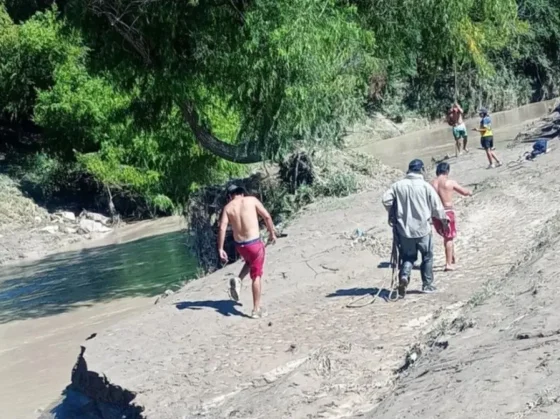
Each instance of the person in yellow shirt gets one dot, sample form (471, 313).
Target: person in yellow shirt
(487, 138)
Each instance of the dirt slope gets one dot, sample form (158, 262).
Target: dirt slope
(196, 353)
(508, 364)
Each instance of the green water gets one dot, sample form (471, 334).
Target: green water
(61, 282)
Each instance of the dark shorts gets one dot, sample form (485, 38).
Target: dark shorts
(487, 143)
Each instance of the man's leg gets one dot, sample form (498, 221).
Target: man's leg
(257, 268)
(426, 247)
(235, 283)
(489, 156)
(465, 140)
(409, 253)
(256, 297)
(449, 254)
(244, 271)
(493, 156)
(457, 145)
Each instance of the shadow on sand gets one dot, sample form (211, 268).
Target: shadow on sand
(223, 307)
(360, 292)
(384, 293)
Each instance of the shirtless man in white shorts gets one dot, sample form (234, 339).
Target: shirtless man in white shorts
(455, 119)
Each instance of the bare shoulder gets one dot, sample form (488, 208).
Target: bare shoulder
(253, 200)
(451, 183)
(227, 207)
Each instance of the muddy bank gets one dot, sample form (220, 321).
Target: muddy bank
(325, 358)
(49, 306)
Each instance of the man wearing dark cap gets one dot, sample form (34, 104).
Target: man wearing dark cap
(412, 203)
(243, 212)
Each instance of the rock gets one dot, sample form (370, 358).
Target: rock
(166, 294)
(96, 217)
(37, 219)
(66, 216)
(50, 229)
(91, 226)
(70, 230)
(55, 218)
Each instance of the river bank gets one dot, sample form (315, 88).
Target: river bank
(29, 232)
(326, 355)
(49, 305)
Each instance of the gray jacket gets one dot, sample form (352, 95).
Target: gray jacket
(417, 202)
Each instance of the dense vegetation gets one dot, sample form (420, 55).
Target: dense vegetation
(144, 101)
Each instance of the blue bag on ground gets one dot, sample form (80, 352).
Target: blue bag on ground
(539, 147)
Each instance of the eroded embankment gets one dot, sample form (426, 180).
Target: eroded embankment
(91, 395)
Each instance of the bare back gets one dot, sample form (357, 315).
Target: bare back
(445, 188)
(243, 215)
(455, 116)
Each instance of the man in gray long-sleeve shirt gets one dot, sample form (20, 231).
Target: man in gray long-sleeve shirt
(411, 203)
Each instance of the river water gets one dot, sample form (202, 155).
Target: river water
(49, 306)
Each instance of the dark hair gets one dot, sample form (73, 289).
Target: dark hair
(442, 168)
(234, 190)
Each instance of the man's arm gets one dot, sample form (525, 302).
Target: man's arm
(436, 205)
(460, 190)
(224, 221)
(485, 125)
(261, 210)
(459, 108)
(388, 199)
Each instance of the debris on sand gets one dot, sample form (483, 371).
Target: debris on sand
(547, 127)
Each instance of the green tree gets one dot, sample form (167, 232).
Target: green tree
(29, 54)
(294, 71)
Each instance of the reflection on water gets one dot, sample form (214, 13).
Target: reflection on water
(58, 283)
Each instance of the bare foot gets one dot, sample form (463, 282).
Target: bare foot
(448, 268)
(466, 150)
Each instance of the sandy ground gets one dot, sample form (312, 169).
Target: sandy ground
(197, 353)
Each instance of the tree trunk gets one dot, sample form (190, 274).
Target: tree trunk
(234, 153)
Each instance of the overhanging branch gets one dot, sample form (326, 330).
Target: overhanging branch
(234, 153)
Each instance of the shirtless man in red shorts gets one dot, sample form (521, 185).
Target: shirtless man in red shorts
(445, 188)
(243, 212)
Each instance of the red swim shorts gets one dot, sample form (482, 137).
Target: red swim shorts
(451, 233)
(252, 252)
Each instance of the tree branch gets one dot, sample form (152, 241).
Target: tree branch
(234, 153)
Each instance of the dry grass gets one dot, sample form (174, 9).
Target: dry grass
(16, 210)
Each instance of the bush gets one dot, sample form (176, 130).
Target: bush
(29, 54)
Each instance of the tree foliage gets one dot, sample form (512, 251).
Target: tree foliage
(153, 99)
